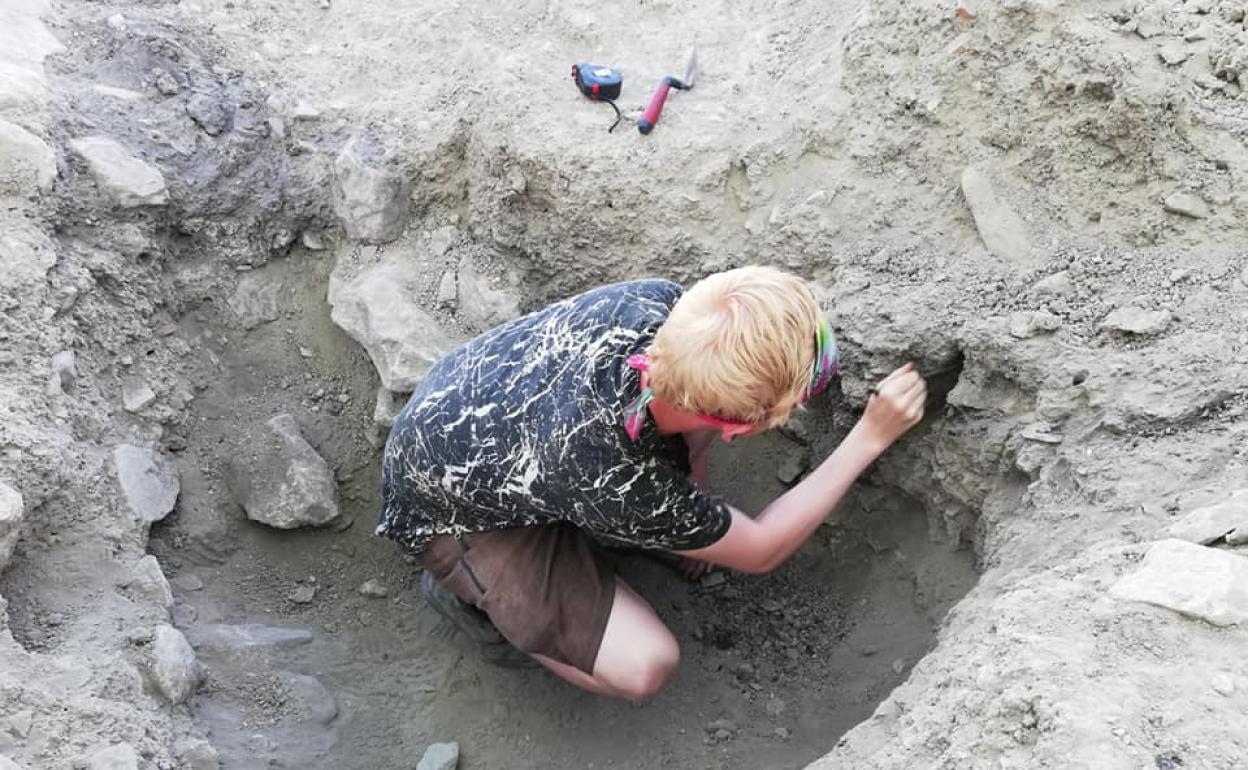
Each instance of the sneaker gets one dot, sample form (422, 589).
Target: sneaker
(474, 624)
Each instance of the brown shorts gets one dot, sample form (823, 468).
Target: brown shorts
(546, 588)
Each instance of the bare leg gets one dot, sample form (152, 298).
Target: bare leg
(637, 656)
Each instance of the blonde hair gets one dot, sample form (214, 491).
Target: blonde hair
(738, 345)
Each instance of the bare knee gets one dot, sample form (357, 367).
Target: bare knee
(651, 671)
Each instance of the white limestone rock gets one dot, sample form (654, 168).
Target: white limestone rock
(1003, 231)
(12, 512)
(440, 756)
(124, 178)
(148, 481)
(148, 580)
(281, 481)
(1227, 519)
(27, 163)
(173, 666)
(379, 307)
(370, 200)
(1194, 580)
(1136, 320)
(486, 301)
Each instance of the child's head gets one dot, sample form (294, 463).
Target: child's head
(739, 345)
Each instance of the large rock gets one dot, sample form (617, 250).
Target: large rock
(24, 39)
(22, 89)
(173, 665)
(124, 178)
(1135, 320)
(280, 480)
(1002, 230)
(371, 201)
(440, 756)
(148, 481)
(1227, 519)
(27, 163)
(256, 300)
(380, 309)
(197, 754)
(233, 638)
(12, 511)
(486, 301)
(1194, 580)
(148, 580)
(119, 757)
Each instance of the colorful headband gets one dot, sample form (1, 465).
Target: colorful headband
(827, 361)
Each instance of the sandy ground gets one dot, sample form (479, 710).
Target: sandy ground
(1041, 199)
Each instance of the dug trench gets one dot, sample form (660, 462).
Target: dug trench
(319, 651)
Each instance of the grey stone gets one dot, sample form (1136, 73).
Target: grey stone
(18, 723)
(374, 589)
(1058, 284)
(65, 369)
(1194, 580)
(121, 176)
(188, 582)
(309, 700)
(209, 112)
(12, 511)
(26, 162)
(484, 302)
(21, 89)
(792, 468)
(148, 481)
(8, 764)
(380, 309)
(1223, 685)
(303, 593)
(1030, 323)
(387, 408)
(256, 300)
(281, 481)
(1186, 204)
(196, 754)
(370, 201)
(1173, 54)
(448, 290)
(1226, 519)
(26, 253)
(1136, 320)
(136, 395)
(148, 580)
(119, 757)
(224, 637)
(173, 665)
(1002, 230)
(312, 240)
(120, 94)
(167, 84)
(440, 756)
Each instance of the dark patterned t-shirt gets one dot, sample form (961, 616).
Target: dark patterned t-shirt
(524, 425)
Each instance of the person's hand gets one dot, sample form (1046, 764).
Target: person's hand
(895, 406)
(693, 569)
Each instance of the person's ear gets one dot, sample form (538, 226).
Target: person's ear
(729, 432)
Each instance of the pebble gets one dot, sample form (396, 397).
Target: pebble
(782, 733)
(373, 589)
(792, 468)
(173, 664)
(116, 22)
(898, 665)
(121, 176)
(440, 756)
(148, 481)
(1058, 284)
(1223, 685)
(1031, 323)
(122, 756)
(1173, 54)
(304, 593)
(196, 754)
(282, 481)
(713, 579)
(1136, 320)
(310, 700)
(28, 160)
(1186, 204)
(167, 84)
(188, 582)
(65, 369)
(775, 707)
(306, 352)
(448, 290)
(135, 394)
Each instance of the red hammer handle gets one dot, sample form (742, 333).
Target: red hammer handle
(655, 107)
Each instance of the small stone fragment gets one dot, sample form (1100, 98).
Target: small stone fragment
(18, 724)
(485, 303)
(116, 22)
(148, 481)
(188, 582)
(721, 726)
(304, 593)
(1058, 285)
(135, 394)
(1227, 519)
(26, 161)
(167, 84)
(387, 408)
(219, 636)
(173, 664)
(1030, 323)
(148, 580)
(1223, 685)
(1193, 580)
(1041, 433)
(713, 579)
(121, 176)
(312, 240)
(119, 757)
(1136, 320)
(1173, 54)
(281, 481)
(256, 300)
(195, 754)
(1003, 231)
(370, 200)
(792, 468)
(1186, 204)
(309, 699)
(440, 756)
(120, 94)
(775, 707)
(209, 112)
(447, 290)
(12, 511)
(65, 369)
(374, 589)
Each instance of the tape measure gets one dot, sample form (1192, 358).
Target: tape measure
(600, 83)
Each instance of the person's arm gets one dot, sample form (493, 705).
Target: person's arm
(699, 443)
(761, 544)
